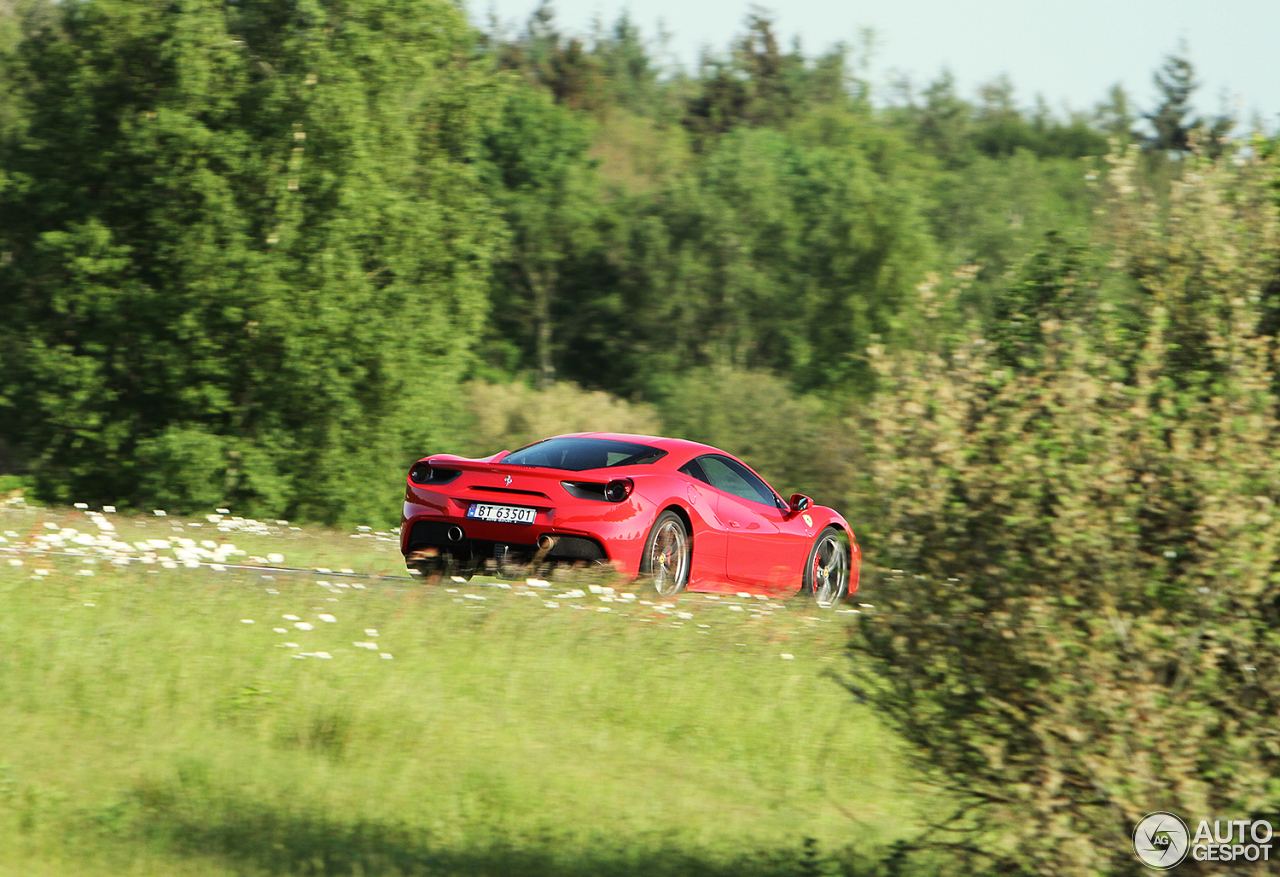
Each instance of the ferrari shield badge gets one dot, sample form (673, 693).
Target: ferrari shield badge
(808, 521)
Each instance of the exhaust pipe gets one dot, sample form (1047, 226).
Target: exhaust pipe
(454, 533)
(546, 542)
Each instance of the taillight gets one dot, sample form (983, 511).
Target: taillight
(618, 489)
(424, 473)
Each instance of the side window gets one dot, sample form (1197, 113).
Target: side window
(732, 477)
(693, 470)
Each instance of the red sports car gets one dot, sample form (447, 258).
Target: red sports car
(686, 514)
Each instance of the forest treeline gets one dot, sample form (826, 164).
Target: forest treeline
(258, 254)
(264, 254)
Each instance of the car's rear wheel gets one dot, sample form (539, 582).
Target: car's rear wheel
(434, 565)
(667, 555)
(826, 575)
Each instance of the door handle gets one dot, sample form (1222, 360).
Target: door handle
(734, 524)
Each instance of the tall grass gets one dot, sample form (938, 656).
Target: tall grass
(149, 728)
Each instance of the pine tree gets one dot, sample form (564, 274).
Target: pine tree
(1176, 82)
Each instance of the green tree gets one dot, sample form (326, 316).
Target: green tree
(1176, 82)
(1114, 116)
(248, 250)
(760, 85)
(536, 167)
(1176, 130)
(777, 251)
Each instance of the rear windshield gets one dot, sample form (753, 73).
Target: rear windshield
(577, 454)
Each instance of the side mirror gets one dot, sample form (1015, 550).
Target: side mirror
(799, 502)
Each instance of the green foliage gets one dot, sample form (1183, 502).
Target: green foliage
(1053, 285)
(534, 164)
(798, 443)
(760, 85)
(509, 416)
(1175, 131)
(957, 131)
(779, 251)
(238, 241)
(1085, 630)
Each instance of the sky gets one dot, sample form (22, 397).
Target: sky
(1070, 52)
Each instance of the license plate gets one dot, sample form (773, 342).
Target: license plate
(502, 514)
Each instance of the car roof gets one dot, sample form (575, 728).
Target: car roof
(680, 449)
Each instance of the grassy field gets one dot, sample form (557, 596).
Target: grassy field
(172, 715)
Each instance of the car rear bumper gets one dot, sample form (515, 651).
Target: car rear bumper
(444, 526)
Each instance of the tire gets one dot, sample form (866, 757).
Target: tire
(667, 555)
(826, 573)
(438, 567)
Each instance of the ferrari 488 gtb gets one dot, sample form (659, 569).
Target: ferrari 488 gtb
(684, 514)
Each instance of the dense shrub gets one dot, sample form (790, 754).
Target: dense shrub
(797, 442)
(1086, 519)
(508, 416)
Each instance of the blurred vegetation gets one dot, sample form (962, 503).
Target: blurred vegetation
(1084, 505)
(510, 416)
(265, 254)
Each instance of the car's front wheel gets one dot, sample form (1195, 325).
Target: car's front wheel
(826, 575)
(667, 555)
